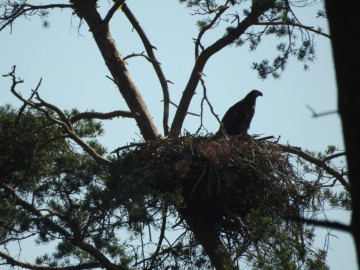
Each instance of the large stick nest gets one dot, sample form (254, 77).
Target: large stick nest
(225, 179)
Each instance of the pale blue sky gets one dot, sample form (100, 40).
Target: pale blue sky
(74, 73)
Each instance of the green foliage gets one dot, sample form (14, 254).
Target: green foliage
(28, 141)
(133, 184)
(282, 247)
(339, 199)
(86, 127)
(281, 24)
(47, 172)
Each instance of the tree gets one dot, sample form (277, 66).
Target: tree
(344, 25)
(224, 201)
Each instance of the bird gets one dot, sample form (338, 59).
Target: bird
(237, 119)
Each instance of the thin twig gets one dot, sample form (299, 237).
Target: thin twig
(191, 113)
(219, 12)
(315, 114)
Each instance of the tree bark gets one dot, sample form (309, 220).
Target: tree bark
(100, 30)
(345, 29)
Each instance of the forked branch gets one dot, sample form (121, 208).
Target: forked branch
(204, 56)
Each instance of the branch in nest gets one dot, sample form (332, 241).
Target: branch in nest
(117, 150)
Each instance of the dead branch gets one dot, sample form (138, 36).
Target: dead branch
(99, 115)
(317, 161)
(191, 113)
(142, 55)
(21, 110)
(315, 114)
(334, 156)
(48, 109)
(149, 50)
(117, 150)
(205, 98)
(161, 236)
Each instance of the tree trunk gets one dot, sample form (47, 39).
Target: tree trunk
(208, 238)
(100, 30)
(345, 29)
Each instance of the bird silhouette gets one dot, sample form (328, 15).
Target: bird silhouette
(237, 119)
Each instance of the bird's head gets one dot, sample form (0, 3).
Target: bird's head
(254, 94)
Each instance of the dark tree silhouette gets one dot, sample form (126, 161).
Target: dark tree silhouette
(345, 27)
(204, 201)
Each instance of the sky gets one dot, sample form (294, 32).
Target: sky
(74, 75)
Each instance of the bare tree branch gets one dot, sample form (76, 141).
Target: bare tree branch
(323, 223)
(204, 56)
(190, 113)
(308, 28)
(219, 12)
(149, 49)
(99, 115)
(21, 110)
(116, 65)
(161, 236)
(62, 121)
(317, 161)
(315, 114)
(140, 54)
(205, 98)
